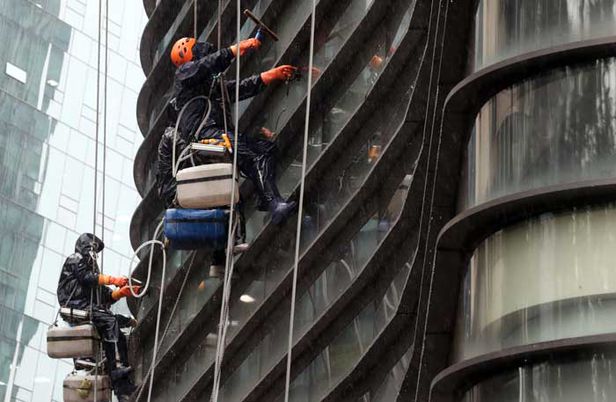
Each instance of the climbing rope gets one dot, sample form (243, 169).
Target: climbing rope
(160, 300)
(434, 179)
(298, 232)
(94, 212)
(195, 20)
(166, 330)
(229, 261)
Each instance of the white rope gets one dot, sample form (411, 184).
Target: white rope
(94, 214)
(301, 205)
(152, 243)
(229, 261)
(195, 20)
(160, 300)
(166, 330)
(177, 124)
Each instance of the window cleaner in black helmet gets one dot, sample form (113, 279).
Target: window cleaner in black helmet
(77, 288)
(198, 67)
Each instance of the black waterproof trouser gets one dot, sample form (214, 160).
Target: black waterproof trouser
(108, 326)
(256, 159)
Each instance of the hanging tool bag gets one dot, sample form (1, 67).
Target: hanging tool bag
(72, 342)
(206, 186)
(80, 388)
(191, 229)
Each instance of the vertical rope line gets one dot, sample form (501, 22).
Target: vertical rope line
(229, 262)
(105, 82)
(96, 130)
(434, 180)
(219, 22)
(301, 205)
(98, 79)
(195, 20)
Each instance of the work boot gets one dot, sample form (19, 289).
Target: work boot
(120, 372)
(281, 210)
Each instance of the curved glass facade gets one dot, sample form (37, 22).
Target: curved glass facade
(508, 28)
(48, 81)
(556, 128)
(334, 281)
(338, 358)
(549, 278)
(576, 379)
(352, 70)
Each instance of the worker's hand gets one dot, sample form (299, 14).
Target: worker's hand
(282, 73)
(245, 45)
(124, 291)
(118, 281)
(267, 133)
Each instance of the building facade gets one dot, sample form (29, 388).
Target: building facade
(48, 59)
(457, 236)
(524, 195)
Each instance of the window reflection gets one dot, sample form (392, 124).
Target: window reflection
(507, 28)
(549, 278)
(341, 355)
(331, 284)
(553, 129)
(581, 378)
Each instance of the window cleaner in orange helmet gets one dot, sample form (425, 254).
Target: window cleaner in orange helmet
(198, 67)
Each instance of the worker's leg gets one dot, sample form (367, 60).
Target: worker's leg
(256, 159)
(107, 325)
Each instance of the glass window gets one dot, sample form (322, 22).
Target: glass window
(390, 388)
(311, 304)
(507, 28)
(579, 378)
(549, 278)
(556, 128)
(341, 355)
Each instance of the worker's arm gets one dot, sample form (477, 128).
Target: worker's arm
(86, 276)
(124, 291)
(249, 87)
(281, 73)
(205, 67)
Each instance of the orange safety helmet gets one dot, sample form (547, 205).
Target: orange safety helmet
(182, 51)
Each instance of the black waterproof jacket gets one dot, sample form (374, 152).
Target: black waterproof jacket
(80, 275)
(197, 78)
(164, 173)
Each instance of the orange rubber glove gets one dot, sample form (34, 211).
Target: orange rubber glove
(118, 281)
(124, 291)
(245, 45)
(282, 73)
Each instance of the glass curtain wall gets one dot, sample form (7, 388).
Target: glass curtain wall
(340, 356)
(548, 278)
(366, 149)
(576, 379)
(329, 286)
(508, 28)
(334, 190)
(47, 129)
(556, 128)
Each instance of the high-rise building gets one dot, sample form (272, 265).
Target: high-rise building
(519, 286)
(356, 242)
(48, 78)
(457, 238)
